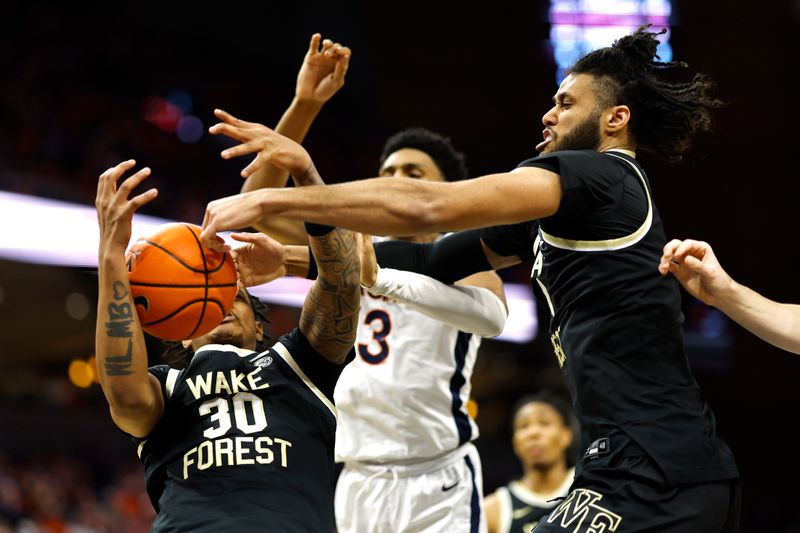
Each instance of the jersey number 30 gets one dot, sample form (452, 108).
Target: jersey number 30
(367, 350)
(220, 411)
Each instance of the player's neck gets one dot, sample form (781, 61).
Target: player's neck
(616, 143)
(545, 480)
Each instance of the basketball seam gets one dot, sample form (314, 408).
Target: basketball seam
(205, 274)
(181, 308)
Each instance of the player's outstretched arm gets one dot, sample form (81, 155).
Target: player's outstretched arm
(696, 267)
(476, 306)
(133, 394)
(329, 318)
(397, 206)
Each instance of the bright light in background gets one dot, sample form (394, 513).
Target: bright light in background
(173, 115)
(81, 373)
(580, 26)
(60, 233)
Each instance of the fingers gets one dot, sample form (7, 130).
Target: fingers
(242, 149)
(144, 198)
(313, 45)
(245, 237)
(691, 247)
(254, 165)
(132, 182)
(226, 117)
(341, 67)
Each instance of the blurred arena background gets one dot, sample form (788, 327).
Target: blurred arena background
(86, 87)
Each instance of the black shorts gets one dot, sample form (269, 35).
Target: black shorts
(633, 496)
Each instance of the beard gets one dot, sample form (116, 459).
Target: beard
(584, 136)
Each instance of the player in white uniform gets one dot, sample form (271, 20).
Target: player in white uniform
(403, 430)
(404, 433)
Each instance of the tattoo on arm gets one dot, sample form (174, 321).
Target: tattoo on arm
(330, 314)
(120, 318)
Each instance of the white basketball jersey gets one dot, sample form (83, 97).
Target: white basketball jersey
(404, 396)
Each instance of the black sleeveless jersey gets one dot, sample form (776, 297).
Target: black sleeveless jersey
(521, 509)
(245, 442)
(616, 322)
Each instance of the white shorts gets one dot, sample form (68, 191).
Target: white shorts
(444, 494)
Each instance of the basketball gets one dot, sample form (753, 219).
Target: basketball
(181, 289)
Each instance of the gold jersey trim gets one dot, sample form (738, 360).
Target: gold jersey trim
(286, 356)
(609, 244)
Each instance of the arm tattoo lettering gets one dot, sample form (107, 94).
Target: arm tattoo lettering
(120, 318)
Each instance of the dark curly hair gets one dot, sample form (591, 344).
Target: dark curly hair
(451, 162)
(177, 356)
(665, 115)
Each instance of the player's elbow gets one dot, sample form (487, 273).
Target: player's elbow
(423, 215)
(127, 403)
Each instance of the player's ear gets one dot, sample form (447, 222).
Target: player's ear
(259, 331)
(616, 118)
(566, 436)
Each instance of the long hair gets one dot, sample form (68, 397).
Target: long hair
(665, 115)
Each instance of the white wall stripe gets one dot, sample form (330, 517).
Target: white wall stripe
(286, 356)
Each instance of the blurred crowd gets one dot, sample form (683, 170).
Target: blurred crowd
(63, 494)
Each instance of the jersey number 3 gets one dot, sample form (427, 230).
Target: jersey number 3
(368, 351)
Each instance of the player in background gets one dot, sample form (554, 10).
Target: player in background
(695, 265)
(542, 434)
(408, 463)
(239, 440)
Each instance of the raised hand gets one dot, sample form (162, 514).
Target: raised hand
(260, 260)
(270, 147)
(114, 209)
(696, 267)
(323, 70)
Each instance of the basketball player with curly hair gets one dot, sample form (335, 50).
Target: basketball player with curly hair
(650, 455)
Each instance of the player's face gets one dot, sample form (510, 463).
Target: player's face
(540, 436)
(411, 163)
(573, 123)
(240, 328)
(414, 164)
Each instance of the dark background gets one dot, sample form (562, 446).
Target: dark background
(74, 82)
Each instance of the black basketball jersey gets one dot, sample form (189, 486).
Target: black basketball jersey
(616, 325)
(245, 442)
(521, 509)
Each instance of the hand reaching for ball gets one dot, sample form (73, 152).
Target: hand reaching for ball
(260, 260)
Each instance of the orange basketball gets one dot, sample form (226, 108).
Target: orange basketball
(181, 289)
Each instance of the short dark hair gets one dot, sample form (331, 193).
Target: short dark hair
(176, 355)
(451, 162)
(551, 398)
(665, 115)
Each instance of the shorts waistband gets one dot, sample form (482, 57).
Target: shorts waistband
(412, 468)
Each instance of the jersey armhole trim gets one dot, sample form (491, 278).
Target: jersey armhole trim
(281, 350)
(506, 510)
(608, 245)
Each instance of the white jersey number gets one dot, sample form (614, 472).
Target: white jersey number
(220, 411)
